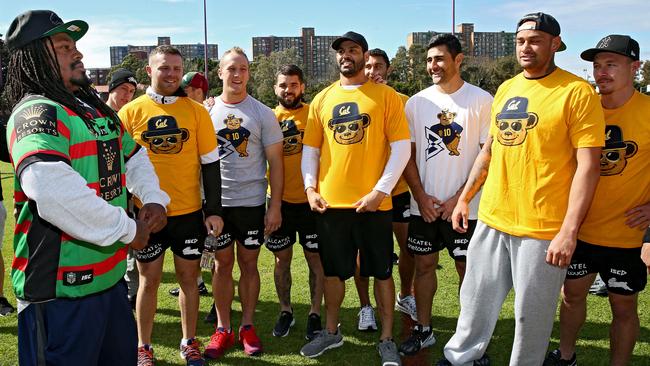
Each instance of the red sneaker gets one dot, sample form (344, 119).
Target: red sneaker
(250, 340)
(145, 355)
(220, 341)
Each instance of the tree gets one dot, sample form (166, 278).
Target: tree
(215, 84)
(409, 70)
(645, 75)
(134, 65)
(503, 69)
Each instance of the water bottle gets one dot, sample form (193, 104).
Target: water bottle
(209, 247)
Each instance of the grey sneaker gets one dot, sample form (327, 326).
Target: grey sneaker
(367, 321)
(388, 353)
(406, 305)
(323, 341)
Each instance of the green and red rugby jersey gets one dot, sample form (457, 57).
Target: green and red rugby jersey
(48, 263)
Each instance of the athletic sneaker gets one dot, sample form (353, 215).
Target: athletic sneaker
(211, 318)
(192, 353)
(367, 319)
(203, 291)
(284, 324)
(145, 355)
(483, 361)
(406, 305)
(220, 341)
(598, 288)
(313, 326)
(5, 307)
(323, 341)
(418, 339)
(554, 358)
(250, 340)
(388, 353)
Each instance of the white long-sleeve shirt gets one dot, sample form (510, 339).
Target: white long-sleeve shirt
(63, 199)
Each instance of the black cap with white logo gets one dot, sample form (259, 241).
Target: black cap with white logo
(35, 24)
(351, 36)
(616, 43)
(121, 76)
(543, 22)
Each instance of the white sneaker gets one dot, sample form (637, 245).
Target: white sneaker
(406, 305)
(367, 319)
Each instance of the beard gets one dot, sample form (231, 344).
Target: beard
(297, 102)
(356, 68)
(82, 80)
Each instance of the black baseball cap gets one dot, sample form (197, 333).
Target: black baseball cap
(121, 76)
(616, 43)
(36, 24)
(351, 36)
(543, 22)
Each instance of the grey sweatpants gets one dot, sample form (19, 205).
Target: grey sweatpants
(497, 262)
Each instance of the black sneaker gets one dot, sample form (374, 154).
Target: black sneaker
(554, 358)
(313, 326)
(203, 291)
(284, 323)
(483, 361)
(211, 318)
(418, 339)
(5, 307)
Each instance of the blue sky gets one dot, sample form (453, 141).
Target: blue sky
(384, 23)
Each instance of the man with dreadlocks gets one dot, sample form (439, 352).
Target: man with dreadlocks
(73, 163)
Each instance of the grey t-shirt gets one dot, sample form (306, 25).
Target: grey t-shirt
(243, 131)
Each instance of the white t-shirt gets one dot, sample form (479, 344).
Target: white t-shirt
(447, 130)
(243, 131)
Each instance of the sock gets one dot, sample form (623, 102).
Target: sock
(185, 341)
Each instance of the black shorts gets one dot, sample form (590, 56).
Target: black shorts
(184, 234)
(243, 224)
(428, 238)
(621, 269)
(402, 207)
(343, 233)
(297, 218)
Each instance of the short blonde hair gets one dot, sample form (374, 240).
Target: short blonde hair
(237, 50)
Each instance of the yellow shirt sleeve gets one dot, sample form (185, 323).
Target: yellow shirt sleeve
(126, 121)
(587, 127)
(314, 129)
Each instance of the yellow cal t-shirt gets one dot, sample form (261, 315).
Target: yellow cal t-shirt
(624, 176)
(353, 130)
(175, 135)
(293, 122)
(537, 125)
(401, 185)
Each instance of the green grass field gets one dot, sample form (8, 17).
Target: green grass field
(359, 348)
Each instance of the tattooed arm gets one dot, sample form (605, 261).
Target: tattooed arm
(477, 176)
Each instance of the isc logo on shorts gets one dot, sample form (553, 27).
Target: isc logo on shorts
(191, 241)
